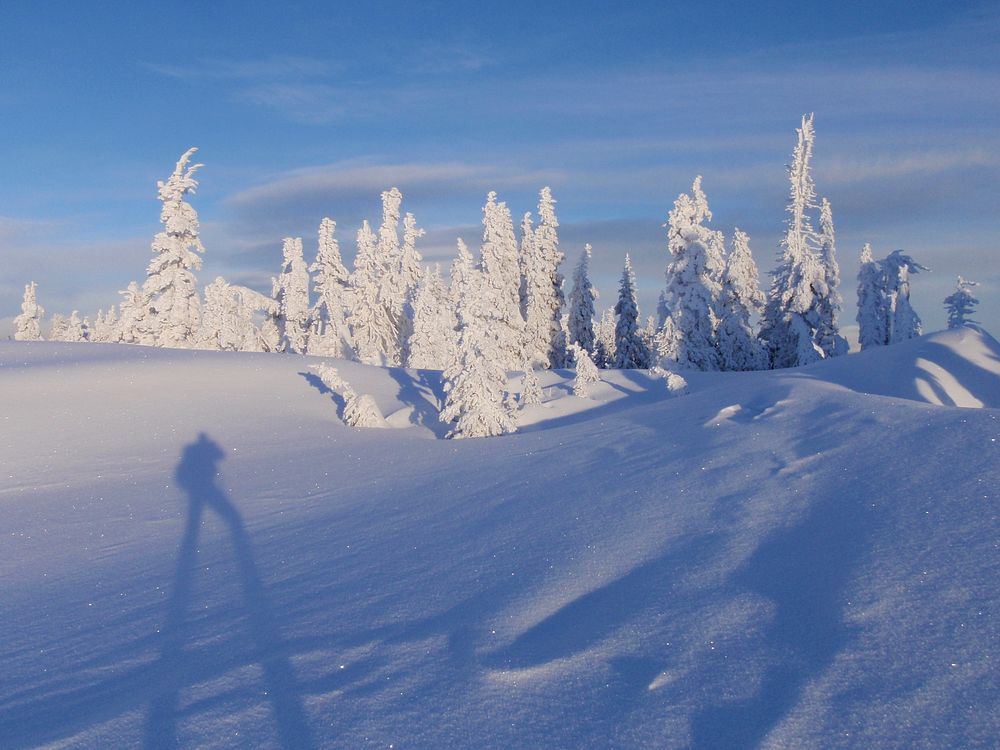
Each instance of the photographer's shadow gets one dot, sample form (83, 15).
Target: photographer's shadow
(196, 474)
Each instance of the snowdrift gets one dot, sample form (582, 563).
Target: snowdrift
(199, 553)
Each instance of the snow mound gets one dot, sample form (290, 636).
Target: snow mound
(199, 553)
(960, 367)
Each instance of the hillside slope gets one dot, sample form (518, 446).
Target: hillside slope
(199, 553)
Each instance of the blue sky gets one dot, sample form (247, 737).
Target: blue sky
(309, 109)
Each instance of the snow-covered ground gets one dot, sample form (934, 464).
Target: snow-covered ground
(198, 553)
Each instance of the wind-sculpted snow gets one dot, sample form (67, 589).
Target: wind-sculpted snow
(199, 553)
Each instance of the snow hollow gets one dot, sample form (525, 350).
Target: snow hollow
(199, 553)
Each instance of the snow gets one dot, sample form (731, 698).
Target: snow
(200, 553)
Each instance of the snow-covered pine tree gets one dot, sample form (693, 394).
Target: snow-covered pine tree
(432, 342)
(170, 283)
(475, 383)
(360, 410)
(586, 371)
(99, 331)
(75, 330)
(410, 276)
(740, 300)
(630, 352)
(110, 333)
(389, 274)
(604, 340)
(291, 290)
(789, 322)
(249, 303)
(331, 336)
(27, 326)
(543, 282)
(220, 318)
(531, 389)
(58, 324)
(828, 306)
(135, 325)
(873, 305)
(694, 281)
(961, 304)
(581, 305)
(500, 283)
(371, 329)
(904, 323)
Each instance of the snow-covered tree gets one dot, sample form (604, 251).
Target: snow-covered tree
(694, 281)
(109, 333)
(432, 343)
(220, 318)
(58, 325)
(873, 306)
(904, 323)
(675, 382)
(27, 325)
(500, 283)
(392, 289)
(581, 305)
(543, 286)
(360, 410)
(961, 304)
(790, 318)
(410, 276)
(75, 329)
(531, 389)
(586, 371)
(828, 306)
(476, 400)
(291, 290)
(371, 327)
(135, 325)
(630, 352)
(331, 335)
(604, 340)
(170, 281)
(740, 300)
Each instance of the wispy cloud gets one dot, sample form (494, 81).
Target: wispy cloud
(276, 67)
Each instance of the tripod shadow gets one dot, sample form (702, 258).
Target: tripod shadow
(196, 475)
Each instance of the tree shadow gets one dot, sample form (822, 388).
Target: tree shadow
(314, 380)
(196, 475)
(804, 572)
(414, 392)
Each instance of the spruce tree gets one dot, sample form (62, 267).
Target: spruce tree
(331, 335)
(904, 323)
(740, 300)
(372, 330)
(170, 283)
(291, 291)
(961, 304)
(543, 282)
(500, 282)
(694, 281)
(135, 324)
(410, 276)
(630, 352)
(604, 340)
(581, 305)
(27, 325)
(586, 371)
(76, 331)
(433, 338)
(789, 320)
(476, 402)
(828, 305)
(58, 325)
(873, 306)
